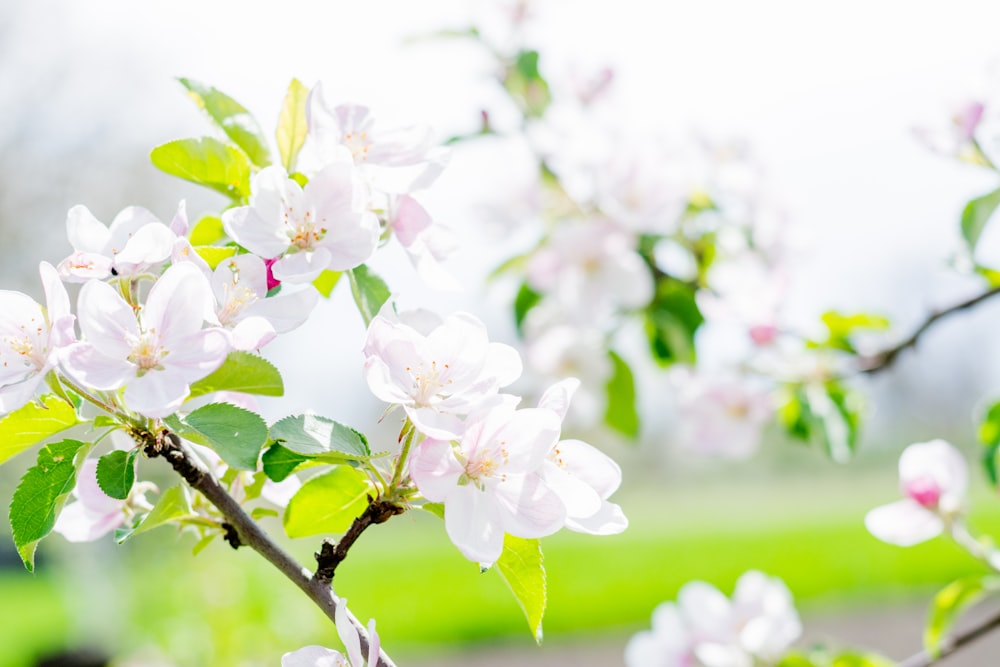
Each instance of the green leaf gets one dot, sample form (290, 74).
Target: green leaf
(621, 413)
(326, 282)
(279, 462)
(672, 319)
(315, 436)
(116, 473)
(34, 422)
(949, 604)
(370, 292)
(437, 509)
(41, 495)
(975, 216)
(841, 327)
(207, 231)
(827, 413)
(525, 300)
(238, 123)
(292, 125)
(214, 254)
(989, 436)
(243, 372)
(236, 434)
(327, 503)
(173, 505)
(527, 86)
(522, 567)
(208, 162)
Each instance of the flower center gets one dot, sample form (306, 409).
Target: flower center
(26, 346)
(427, 382)
(359, 144)
(304, 232)
(146, 353)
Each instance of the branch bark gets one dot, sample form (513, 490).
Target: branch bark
(924, 659)
(332, 554)
(881, 360)
(243, 530)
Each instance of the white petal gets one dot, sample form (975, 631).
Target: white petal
(435, 424)
(351, 239)
(178, 304)
(14, 395)
(86, 233)
(157, 394)
(903, 523)
(558, 397)
(937, 460)
(707, 611)
(529, 508)
(348, 634)
(199, 354)
(92, 368)
(106, 320)
(252, 333)
(313, 656)
(288, 310)
(302, 267)
(247, 227)
(77, 524)
(435, 469)
(721, 655)
(579, 498)
(608, 520)
(149, 246)
(473, 524)
(590, 465)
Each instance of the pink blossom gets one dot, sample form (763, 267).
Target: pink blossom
(93, 513)
(427, 244)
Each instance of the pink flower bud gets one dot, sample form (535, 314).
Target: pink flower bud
(272, 282)
(925, 491)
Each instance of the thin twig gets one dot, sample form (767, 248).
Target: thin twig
(332, 554)
(248, 532)
(924, 659)
(882, 360)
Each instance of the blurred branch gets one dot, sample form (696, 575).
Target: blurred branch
(882, 360)
(924, 659)
(244, 531)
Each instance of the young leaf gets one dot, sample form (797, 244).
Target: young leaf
(950, 602)
(292, 126)
(621, 413)
(527, 86)
(326, 281)
(370, 292)
(327, 503)
(280, 462)
(41, 495)
(989, 436)
(116, 473)
(208, 162)
(525, 300)
(207, 231)
(975, 216)
(522, 567)
(214, 254)
(236, 434)
(312, 435)
(34, 422)
(238, 124)
(172, 505)
(243, 372)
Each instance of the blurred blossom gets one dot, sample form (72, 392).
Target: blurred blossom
(746, 292)
(318, 656)
(957, 138)
(93, 513)
(642, 187)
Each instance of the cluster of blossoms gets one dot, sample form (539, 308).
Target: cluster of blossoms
(707, 629)
(497, 468)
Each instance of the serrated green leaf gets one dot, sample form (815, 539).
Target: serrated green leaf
(315, 436)
(208, 162)
(976, 215)
(40, 495)
(173, 505)
(327, 503)
(207, 231)
(236, 434)
(238, 123)
(525, 300)
(949, 604)
(326, 281)
(214, 254)
(621, 413)
(34, 422)
(522, 567)
(370, 292)
(279, 462)
(116, 473)
(243, 372)
(292, 124)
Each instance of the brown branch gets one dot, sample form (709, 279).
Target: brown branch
(881, 360)
(331, 555)
(924, 659)
(244, 531)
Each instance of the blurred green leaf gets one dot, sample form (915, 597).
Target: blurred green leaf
(116, 473)
(522, 567)
(40, 495)
(208, 162)
(976, 215)
(292, 124)
(672, 319)
(207, 231)
(33, 422)
(525, 300)
(989, 436)
(238, 123)
(327, 503)
(621, 413)
(841, 327)
(527, 86)
(173, 505)
(279, 462)
(825, 412)
(315, 436)
(326, 281)
(236, 434)
(370, 292)
(949, 604)
(243, 372)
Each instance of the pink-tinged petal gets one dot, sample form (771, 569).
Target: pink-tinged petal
(279, 493)
(92, 368)
(334, 191)
(244, 271)
(435, 469)
(57, 304)
(106, 320)
(89, 492)
(149, 246)
(157, 393)
(351, 240)
(503, 363)
(199, 354)
(261, 236)
(288, 310)
(903, 523)
(435, 424)
(580, 499)
(381, 382)
(179, 225)
(374, 644)
(707, 611)
(938, 462)
(77, 524)
(529, 508)
(302, 267)
(14, 395)
(252, 333)
(608, 520)
(178, 304)
(83, 266)
(313, 656)
(590, 465)
(558, 397)
(183, 252)
(86, 233)
(127, 222)
(410, 221)
(348, 634)
(531, 433)
(472, 521)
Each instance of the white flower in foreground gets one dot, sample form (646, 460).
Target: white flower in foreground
(324, 225)
(490, 481)
(135, 243)
(581, 475)
(156, 354)
(30, 338)
(93, 513)
(394, 161)
(933, 476)
(704, 627)
(438, 370)
(318, 656)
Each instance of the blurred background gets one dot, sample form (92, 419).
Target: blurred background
(827, 97)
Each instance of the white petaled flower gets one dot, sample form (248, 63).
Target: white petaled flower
(154, 354)
(581, 475)
(667, 644)
(395, 161)
(318, 656)
(93, 513)
(490, 481)
(30, 338)
(438, 370)
(324, 225)
(934, 478)
(135, 243)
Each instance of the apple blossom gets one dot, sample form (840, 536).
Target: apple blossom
(31, 337)
(154, 354)
(324, 225)
(438, 370)
(318, 656)
(427, 244)
(933, 476)
(958, 137)
(93, 513)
